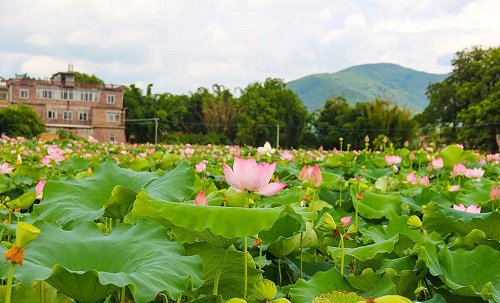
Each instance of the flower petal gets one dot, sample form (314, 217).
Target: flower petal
(271, 189)
(230, 176)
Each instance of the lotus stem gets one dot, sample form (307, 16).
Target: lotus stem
(10, 277)
(279, 272)
(342, 250)
(245, 269)
(122, 295)
(301, 243)
(217, 275)
(260, 256)
(42, 291)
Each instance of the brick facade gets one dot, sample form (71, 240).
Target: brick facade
(86, 109)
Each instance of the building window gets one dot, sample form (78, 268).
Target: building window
(110, 99)
(67, 94)
(67, 115)
(112, 117)
(46, 93)
(87, 97)
(51, 114)
(23, 93)
(83, 116)
(112, 138)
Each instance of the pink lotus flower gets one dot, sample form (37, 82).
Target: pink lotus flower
(454, 188)
(437, 163)
(390, 160)
(5, 169)
(287, 156)
(202, 166)
(55, 153)
(266, 149)
(471, 209)
(201, 199)
(494, 193)
(313, 174)
(411, 178)
(458, 170)
(474, 173)
(247, 175)
(346, 221)
(39, 189)
(424, 181)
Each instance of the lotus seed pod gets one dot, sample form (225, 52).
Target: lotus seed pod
(414, 222)
(326, 223)
(265, 290)
(236, 300)
(280, 300)
(26, 233)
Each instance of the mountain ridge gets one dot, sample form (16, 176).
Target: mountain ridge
(364, 83)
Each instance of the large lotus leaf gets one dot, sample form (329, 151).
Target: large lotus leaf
(176, 185)
(379, 233)
(188, 236)
(366, 280)
(230, 263)
(366, 252)
(87, 265)
(33, 293)
(291, 195)
(475, 238)
(284, 227)
(284, 247)
(322, 282)
(452, 154)
(445, 220)
(477, 193)
(426, 195)
(120, 203)
(377, 206)
(467, 273)
(229, 222)
(80, 200)
(406, 281)
(4, 183)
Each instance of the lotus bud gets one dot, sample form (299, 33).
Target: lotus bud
(326, 223)
(280, 300)
(236, 300)
(392, 299)
(346, 220)
(201, 199)
(26, 233)
(494, 193)
(265, 290)
(19, 160)
(414, 222)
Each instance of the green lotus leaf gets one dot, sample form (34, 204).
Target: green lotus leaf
(86, 265)
(24, 201)
(386, 184)
(284, 227)
(229, 222)
(32, 293)
(445, 220)
(377, 206)
(120, 203)
(188, 236)
(396, 226)
(4, 183)
(436, 299)
(177, 185)
(137, 164)
(322, 282)
(366, 252)
(366, 280)
(475, 238)
(230, 263)
(292, 195)
(467, 273)
(417, 200)
(476, 193)
(406, 280)
(339, 297)
(452, 154)
(80, 200)
(284, 247)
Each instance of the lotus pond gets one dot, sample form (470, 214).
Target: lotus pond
(90, 222)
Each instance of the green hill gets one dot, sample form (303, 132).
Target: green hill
(403, 86)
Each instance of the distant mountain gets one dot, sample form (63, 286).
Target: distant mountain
(362, 83)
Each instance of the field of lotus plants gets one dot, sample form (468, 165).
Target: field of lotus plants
(88, 222)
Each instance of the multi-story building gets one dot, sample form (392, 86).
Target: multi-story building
(86, 109)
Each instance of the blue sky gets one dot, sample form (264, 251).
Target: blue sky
(182, 45)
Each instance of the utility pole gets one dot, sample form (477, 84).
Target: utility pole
(277, 136)
(156, 130)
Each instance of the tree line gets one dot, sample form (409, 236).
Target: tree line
(464, 108)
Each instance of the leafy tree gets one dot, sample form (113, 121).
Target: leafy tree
(20, 120)
(467, 101)
(86, 78)
(266, 105)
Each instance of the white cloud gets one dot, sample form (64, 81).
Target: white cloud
(181, 44)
